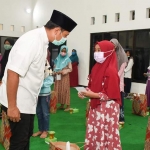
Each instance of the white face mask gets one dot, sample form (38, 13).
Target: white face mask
(63, 54)
(99, 56)
(60, 42)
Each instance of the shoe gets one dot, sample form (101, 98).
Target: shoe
(121, 123)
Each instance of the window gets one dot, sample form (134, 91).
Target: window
(148, 13)
(1, 26)
(141, 53)
(92, 20)
(23, 29)
(104, 18)
(117, 17)
(126, 39)
(132, 15)
(12, 28)
(135, 40)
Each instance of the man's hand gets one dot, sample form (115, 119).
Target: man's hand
(13, 114)
(12, 87)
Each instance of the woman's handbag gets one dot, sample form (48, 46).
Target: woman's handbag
(139, 104)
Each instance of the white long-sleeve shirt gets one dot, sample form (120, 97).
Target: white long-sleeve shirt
(128, 69)
(120, 74)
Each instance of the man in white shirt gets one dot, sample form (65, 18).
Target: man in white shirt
(24, 75)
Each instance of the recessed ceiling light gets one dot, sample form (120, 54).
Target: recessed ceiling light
(28, 10)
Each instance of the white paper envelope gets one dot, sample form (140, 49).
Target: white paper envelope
(80, 89)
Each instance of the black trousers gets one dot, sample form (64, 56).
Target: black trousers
(21, 131)
(127, 82)
(121, 117)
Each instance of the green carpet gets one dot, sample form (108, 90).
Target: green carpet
(71, 127)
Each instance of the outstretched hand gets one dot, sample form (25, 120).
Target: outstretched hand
(88, 94)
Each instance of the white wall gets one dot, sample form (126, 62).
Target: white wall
(13, 13)
(79, 38)
(82, 11)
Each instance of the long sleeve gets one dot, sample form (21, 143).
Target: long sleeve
(122, 68)
(129, 66)
(67, 69)
(48, 81)
(121, 76)
(103, 97)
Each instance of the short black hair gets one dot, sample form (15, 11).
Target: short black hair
(51, 25)
(130, 51)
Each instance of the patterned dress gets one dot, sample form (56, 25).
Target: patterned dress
(102, 131)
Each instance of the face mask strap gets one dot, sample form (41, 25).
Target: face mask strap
(110, 53)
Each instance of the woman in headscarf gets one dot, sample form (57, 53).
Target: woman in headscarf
(122, 63)
(62, 68)
(8, 44)
(103, 90)
(74, 74)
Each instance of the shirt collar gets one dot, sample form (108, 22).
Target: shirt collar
(44, 35)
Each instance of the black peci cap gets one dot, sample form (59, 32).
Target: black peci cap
(63, 21)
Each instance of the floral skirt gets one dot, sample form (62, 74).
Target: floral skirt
(102, 131)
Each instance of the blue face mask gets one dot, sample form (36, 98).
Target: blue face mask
(60, 42)
(73, 53)
(7, 47)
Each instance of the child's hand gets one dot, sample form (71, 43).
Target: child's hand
(60, 72)
(80, 95)
(90, 94)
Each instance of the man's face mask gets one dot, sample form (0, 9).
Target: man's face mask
(7, 46)
(99, 56)
(60, 42)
